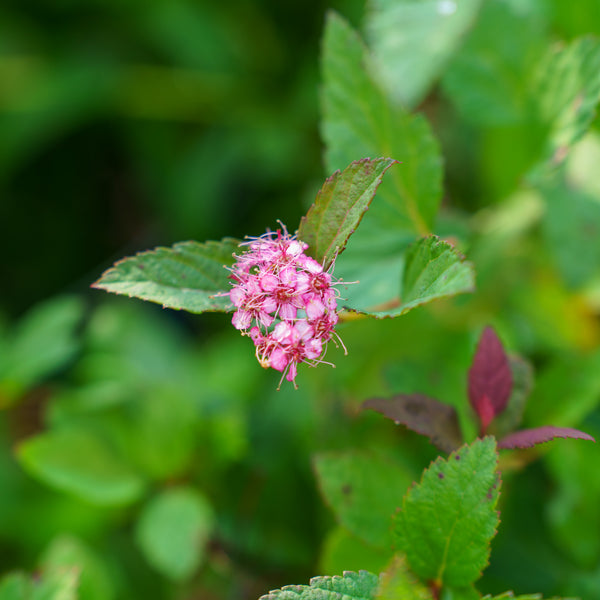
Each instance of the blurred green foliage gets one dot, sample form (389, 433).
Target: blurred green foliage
(147, 448)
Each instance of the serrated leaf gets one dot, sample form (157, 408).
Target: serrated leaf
(340, 206)
(412, 41)
(490, 378)
(359, 120)
(173, 530)
(511, 596)
(427, 416)
(398, 583)
(464, 593)
(567, 93)
(527, 438)
(432, 269)
(448, 519)
(363, 490)
(78, 462)
(352, 586)
(184, 277)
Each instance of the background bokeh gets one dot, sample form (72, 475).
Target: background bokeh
(147, 447)
(127, 124)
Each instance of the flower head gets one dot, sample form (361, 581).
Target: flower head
(285, 302)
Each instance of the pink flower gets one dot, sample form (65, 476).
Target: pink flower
(285, 302)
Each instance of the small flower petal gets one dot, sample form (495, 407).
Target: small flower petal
(314, 307)
(241, 319)
(279, 359)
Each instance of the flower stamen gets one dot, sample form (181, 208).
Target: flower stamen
(286, 302)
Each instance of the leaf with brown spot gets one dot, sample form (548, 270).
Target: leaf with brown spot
(445, 524)
(363, 489)
(424, 415)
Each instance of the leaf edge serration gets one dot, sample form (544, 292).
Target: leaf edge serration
(328, 255)
(214, 305)
(434, 467)
(339, 587)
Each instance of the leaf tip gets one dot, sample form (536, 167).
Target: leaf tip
(490, 380)
(528, 438)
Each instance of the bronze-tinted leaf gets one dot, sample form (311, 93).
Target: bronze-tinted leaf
(527, 438)
(427, 416)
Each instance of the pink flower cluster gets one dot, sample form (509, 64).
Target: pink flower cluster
(285, 302)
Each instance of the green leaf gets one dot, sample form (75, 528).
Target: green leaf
(464, 593)
(448, 520)
(59, 584)
(579, 172)
(364, 491)
(432, 269)
(567, 92)
(69, 553)
(54, 584)
(343, 551)
(398, 583)
(572, 516)
(565, 391)
(173, 531)
(571, 227)
(162, 435)
(352, 586)
(14, 586)
(358, 121)
(184, 277)
(489, 78)
(340, 206)
(412, 41)
(42, 343)
(76, 461)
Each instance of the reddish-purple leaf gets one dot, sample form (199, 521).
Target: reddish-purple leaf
(486, 412)
(427, 416)
(527, 438)
(490, 378)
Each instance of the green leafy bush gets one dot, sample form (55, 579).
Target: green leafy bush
(453, 247)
